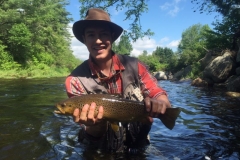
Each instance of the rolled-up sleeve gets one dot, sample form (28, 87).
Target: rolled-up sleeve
(74, 86)
(149, 84)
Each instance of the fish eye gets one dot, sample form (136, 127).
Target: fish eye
(63, 105)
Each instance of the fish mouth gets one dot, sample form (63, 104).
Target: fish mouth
(59, 111)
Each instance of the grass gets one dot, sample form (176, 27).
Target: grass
(34, 73)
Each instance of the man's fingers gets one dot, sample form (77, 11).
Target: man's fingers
(150, 119)
(163, 109)
(147, 101)
(155, 108)
(100, 113)
(76, 115)
(90, 115)
(87, 114)
(83, 114)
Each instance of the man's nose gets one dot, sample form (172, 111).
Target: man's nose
(98, 39)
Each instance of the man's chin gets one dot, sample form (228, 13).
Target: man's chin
(100, 56)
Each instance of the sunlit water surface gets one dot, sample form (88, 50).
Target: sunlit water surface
(207, 128)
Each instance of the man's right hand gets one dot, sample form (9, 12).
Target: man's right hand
(95, 125)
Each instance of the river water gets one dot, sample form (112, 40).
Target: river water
(207, 128)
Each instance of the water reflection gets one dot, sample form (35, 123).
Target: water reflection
(208, 126)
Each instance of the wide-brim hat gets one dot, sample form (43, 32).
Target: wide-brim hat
(95, 17)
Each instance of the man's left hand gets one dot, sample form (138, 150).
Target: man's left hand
(157, 106)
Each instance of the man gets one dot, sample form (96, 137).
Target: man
(106, 71)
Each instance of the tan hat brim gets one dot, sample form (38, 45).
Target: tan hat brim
(79, 27)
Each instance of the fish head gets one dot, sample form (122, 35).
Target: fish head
(64, 108)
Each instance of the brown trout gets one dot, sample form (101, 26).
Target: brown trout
(116, 109)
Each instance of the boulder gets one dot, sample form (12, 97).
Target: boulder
(180, 75)
(233, 94)
(238, 71)
(198, 82)
(206, 59)
(160, 75)
(219, 85)
(169, 75)
(233, 83)
(238, 54)
(220, 68)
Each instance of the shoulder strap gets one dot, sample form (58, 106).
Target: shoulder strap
(90, 84)
(130, 74)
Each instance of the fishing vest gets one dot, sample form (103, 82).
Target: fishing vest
(130, 78)
(128, 133)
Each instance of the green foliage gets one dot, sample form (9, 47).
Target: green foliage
(6, 60)
(164, 54)
(191, 47)
(152, 62)
(172, 64)
(225, 26)
(18, 42)
(196, 71)
(216, 40)
(34, 37)
(124, 46)
(166, 57)
(133, 11)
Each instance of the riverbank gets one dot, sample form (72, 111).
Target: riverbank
(34, 73)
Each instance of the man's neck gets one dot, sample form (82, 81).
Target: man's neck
(105, 65)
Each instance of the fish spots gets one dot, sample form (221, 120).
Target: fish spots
(114, 108)
(81, 104)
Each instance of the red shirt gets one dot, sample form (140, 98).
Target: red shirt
(113, 82)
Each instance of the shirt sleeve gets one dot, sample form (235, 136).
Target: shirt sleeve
(74, 87)
(149, 84)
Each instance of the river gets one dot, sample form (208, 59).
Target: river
(208, 126)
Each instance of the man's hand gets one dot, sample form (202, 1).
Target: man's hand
(86, 115)
(157, 106)
(95, 126)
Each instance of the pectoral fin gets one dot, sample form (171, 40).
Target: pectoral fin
(115, 126)
(170, 116)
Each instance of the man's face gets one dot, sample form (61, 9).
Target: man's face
(98, 40)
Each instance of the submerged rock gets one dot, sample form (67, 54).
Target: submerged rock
(198, 82)
(233, 94)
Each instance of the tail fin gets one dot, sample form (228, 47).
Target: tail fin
(169, 117)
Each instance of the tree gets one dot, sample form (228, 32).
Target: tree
(124, 46)
(18, 42)
(133, 11)
(191, 46)
(164, 54)
(144, 53)
(151, 61)
(34, 34)
(225, 29)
